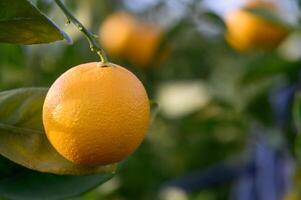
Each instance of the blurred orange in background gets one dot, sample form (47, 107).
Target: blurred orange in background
(124, 35)
(247, 31)
(144, 44)
(116, 31)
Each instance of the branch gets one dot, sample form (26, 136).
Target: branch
(94, 45)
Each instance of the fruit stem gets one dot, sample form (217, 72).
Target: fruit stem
(94, 45)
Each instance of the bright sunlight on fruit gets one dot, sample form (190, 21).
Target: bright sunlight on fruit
(96, 115)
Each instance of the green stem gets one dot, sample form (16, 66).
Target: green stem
(94, 45)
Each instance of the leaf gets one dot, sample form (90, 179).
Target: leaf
(25, 184)
(169, 36)
(22, 137)
(214, 19)
(7, 167)
(268, 66)
(22, 23)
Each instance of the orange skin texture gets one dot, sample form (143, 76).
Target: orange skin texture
(246, 31)
(96, 115)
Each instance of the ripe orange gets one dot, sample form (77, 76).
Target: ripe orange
(96, 115)
(116, 31)
(246, 31)
(144, 44)
(123, 35)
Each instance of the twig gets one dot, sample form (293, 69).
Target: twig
(94, 45)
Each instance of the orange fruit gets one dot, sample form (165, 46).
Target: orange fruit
(123, 35)
(246, 31)
(95, 114)
(144, 44)
(116, 31)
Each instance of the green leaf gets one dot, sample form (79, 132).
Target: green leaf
(7, 167)
(22, 137)
(22, 23)
(268, 66)
(169, 36)
(25, 184)
(214, 19)
(33, 185)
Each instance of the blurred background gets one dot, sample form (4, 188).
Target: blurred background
(224, 82)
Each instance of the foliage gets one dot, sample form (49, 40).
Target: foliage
(22, 23)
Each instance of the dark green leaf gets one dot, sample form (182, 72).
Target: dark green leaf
(22, 137)
(268, 66)
(7, 168)
(25, 184)
(168, 38)
(22, 23)
(214, 19)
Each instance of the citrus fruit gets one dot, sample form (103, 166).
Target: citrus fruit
(116, 31)
(96, 114)
(124, 35)
(246, 31)
(144, 44)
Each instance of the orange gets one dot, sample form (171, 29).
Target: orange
(123, 35)
(96, 114)
(116, 31)
(143, 44)
(246, 31)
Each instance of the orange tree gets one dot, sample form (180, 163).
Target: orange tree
(245, 89)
